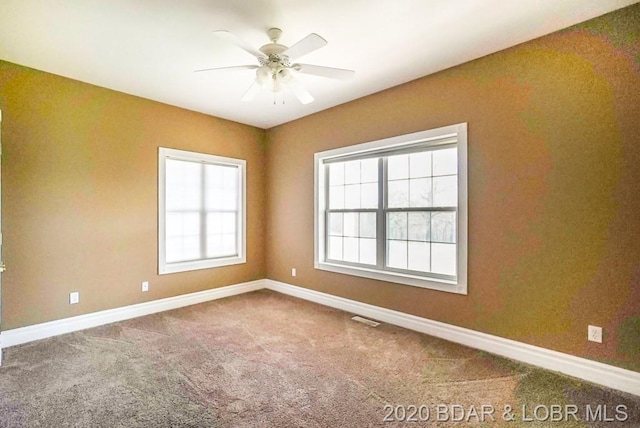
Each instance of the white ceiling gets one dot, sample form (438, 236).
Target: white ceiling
(150, 48)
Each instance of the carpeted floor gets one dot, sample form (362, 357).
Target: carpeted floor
(266, 360)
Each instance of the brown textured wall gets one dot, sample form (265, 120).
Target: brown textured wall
(554, 189)
(79, 195)
(554, 163)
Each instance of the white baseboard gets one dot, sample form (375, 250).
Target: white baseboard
(592, 371)
(30, 333)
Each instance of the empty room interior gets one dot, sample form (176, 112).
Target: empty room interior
(330, 214)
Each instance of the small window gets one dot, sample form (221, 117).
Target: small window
(201, 211)
(396, 209)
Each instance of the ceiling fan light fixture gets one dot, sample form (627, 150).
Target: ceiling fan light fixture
(283, 75)
(263, 75)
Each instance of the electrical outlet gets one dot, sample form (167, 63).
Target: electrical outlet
(74, 297)
(595, 334)
(293, 272)
(145, 286)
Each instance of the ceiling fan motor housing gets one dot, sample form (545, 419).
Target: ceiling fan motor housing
(273, 51)
(273, 63)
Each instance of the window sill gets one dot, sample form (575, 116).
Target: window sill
(200, 264)
(459, 287)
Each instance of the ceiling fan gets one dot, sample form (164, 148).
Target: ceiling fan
(276, 67)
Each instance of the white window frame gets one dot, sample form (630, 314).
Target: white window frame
(163, 266)
(456, 133)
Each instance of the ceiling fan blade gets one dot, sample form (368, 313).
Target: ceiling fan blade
(234, 67)
(232, 38)
(330, 72)
(307, 45)
(299, 91)
(251, 92)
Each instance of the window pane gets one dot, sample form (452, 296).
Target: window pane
(229, 244)
(336, 197)
(443, 258)
(369, 195)
(229, 199)
(213, 177)
(352, 196)
(443, 227)
(173, 224)
(173, 249)
(214, 246)
(221, 245)
(335, 224)
(182, 198)
(229, 177)
(214, 223)
(221, 233)
(398, 196)
(191, 224)
(218, 199)
(214, 198)
(351, 250)
(351, 221)
(420, 192)
(420, 165)
(445, 191)
(368, 251)
(367, 225)
(182, 172)
(352, 172)
(419, 226)
(419, 256)
(182, 224)
(174, 197)
(221, 187)
(183, 185)
(220, 176)
(335, 248)
(229, 223)
(190, 248)
(397, 226)
(369, 170)
(445, 162)
(192, 197)
(398, 167)
(397, 254)
(336, 174)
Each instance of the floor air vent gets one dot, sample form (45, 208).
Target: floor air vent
(370, 323)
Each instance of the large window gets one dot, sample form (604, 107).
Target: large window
(201, 200)
(396, 209)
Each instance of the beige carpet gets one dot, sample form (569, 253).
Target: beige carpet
(267, 360)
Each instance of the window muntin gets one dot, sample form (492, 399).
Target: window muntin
(201, 211)
(395, 209)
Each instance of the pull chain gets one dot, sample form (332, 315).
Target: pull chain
(275, 95)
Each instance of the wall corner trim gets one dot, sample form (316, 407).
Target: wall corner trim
(582, 368)
(31, 333)
(592, 371)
